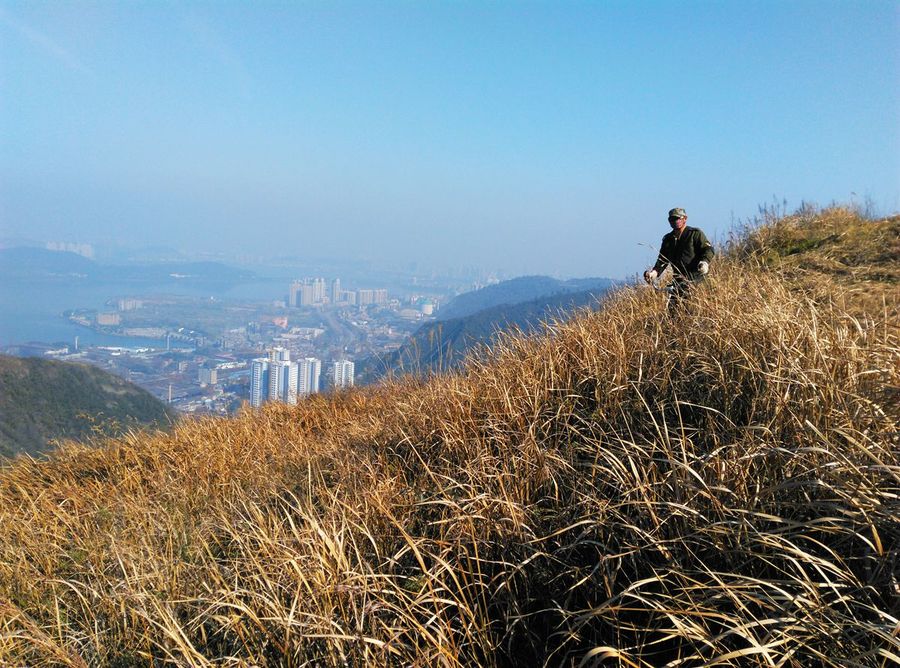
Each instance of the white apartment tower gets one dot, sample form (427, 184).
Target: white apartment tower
(343, 374)
(308, 292)
(276, 375)
(369, 296)
(336, 291)
(279, 354)
(259, 381)
(283, 382)
(320, 290)
(207, 375)
(293, 382)
(294, 293)
(310, 370)
(273, 378)
(276, 380)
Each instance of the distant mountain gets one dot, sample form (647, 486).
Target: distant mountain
(40, 264)
(17, 240)
(25, 262)
(443, 345)
(516, 291)
(42, 400)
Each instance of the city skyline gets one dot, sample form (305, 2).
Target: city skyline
(190, 339)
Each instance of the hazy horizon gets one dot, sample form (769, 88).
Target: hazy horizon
(526, 138)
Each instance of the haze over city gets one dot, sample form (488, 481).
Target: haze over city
(531, 137)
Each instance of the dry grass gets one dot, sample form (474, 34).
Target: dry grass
(720, 488)
(834, 253)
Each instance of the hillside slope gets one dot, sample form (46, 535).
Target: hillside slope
(45, 400)
(517, 291)
(445, 344)
(718, 488)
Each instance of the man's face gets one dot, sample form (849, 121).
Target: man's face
(677, 224)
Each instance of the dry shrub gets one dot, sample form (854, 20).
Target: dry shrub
(716, 488)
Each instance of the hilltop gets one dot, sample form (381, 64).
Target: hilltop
(42, 401)
(622, 489)
(836, 254)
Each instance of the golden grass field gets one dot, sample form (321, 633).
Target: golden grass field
(720, 488)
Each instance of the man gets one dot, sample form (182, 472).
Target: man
(688, 251)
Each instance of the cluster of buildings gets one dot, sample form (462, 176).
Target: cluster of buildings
(207, 376)
(278, 378)
(114, 319)
(84, 250)
(317, 292)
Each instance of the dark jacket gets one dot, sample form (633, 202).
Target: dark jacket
(684, 253)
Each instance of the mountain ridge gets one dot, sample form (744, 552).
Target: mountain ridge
(26, 263)
(518, 290)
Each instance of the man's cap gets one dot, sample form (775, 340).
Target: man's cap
(677, 213)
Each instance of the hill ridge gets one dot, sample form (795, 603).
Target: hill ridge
(46, 400)
(444, 345)
(518, 290)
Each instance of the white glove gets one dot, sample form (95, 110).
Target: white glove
(703, 267)
(650, 275)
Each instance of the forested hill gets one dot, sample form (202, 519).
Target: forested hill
(444, 344)
(43, 400)
(517, 291)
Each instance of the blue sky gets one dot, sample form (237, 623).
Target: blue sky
(527, 137)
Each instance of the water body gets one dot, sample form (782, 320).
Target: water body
(31, 311)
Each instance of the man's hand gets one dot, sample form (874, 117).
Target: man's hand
(650, 275)
(703, 267)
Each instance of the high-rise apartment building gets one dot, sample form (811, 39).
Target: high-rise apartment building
(320, 290)
(294, 293)
(276, 380)
(308, 292)
(336, 291)
(291, 380)
(207, 375)
(342, 373)
(273, 378)
(279, 354)
(85, 250)
(310, 371)
(259, 381)
(368, 296)
(129, 304)
(283, 381)
(308, 295)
